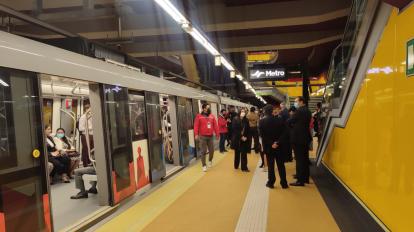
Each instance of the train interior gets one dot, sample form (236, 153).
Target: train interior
(65, 101)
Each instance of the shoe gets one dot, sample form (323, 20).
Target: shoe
(295, 176)
(65, 178)
(297, 184)
(270, 186)
(204, 168)
(226, 151)
(284, 186)
(210, 164)
(306, 181)
(245, 170)
(80, 195)
(262, 165)
(93, 190)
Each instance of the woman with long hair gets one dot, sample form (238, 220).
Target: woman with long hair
(239, 141)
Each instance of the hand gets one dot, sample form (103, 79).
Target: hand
(55, 153)
(244, 138)
(196, 137)
(275, 145)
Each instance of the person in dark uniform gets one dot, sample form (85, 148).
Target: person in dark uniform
(273, 130)
(287, 149)
(239, 141)
(300, 139)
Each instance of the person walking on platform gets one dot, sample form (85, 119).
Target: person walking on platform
(222, 124)
(239, 141)
(272, 130)
(253, 118)
(205, 125)
(300, 138)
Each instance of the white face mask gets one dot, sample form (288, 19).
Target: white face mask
(242, 114)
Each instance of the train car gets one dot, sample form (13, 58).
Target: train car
(114, 129)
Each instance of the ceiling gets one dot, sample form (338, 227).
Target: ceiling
(300, 30)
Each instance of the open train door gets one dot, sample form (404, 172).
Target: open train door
(24, 198)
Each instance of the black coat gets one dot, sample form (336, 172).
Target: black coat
(300, 126)
(272, 130)
(240, 128)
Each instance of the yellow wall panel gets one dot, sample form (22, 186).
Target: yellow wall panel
(374, 153)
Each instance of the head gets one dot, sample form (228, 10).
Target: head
(48, 130)
(223, 111)
(60, 133)
(242, 113)
(299, 102)
(282, 105)
(319, 105)
(276, 110)
(268, 110)
(253, 109)
(206, 108)
(87, 106)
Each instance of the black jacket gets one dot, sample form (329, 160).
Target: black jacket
(272, 130)
(240, 128)
(300, 126)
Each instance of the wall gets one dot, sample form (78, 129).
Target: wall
(373, 154)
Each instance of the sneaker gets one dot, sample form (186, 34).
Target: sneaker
(204, 168)
(210, 164)
(80, 195)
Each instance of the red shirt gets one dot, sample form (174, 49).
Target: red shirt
(205, 125)
(222, 124)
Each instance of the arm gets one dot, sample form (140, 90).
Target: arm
(215, 127)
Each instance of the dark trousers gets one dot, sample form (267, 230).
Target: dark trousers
(276, 155)
(254, 137)
(240, 155)
(61, 165)
(223, 137)
(85, 156)
(302, 162)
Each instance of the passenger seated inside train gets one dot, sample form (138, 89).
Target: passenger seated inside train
(64, 145)
(61, 162)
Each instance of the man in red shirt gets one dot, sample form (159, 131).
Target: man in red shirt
(205, 124)
(222, 124)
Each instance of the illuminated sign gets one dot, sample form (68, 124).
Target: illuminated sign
(410, 58)
(273, 74)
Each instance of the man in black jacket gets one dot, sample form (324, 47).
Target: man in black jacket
(272, 130)
(300, 138)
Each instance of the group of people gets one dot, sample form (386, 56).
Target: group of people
(281, 131)
(64, 160)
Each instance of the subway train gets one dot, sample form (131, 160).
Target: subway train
(137, 130)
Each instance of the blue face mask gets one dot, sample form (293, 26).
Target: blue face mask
(60, 135)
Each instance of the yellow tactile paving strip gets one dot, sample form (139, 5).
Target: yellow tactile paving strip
(200, 192)
(298, 209)
(214, 203)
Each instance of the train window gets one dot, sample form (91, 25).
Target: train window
(137, 116)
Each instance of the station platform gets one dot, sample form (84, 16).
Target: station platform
(225, 199)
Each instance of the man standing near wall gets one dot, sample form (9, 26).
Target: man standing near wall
(205, 125)
(301, 138)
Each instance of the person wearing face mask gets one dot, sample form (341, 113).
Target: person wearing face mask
(205, 125)
(59, 160)
(239, 141)
(273, 132)
(300, 140)
(222, 123)
(63, 144)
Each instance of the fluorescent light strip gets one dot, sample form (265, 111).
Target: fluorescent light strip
(4, 83)
(168, 7)
(227, 64)
(203, 41)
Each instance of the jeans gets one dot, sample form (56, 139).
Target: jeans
(206, 142)
(79, 183)
(223, 137)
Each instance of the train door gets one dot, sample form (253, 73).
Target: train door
(185, 126)
(196, 110)
(118, 137)
(139, 137)
(153, 111)
(24, 198)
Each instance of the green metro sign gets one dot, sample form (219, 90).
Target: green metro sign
(409, 71)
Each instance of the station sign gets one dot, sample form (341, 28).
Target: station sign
(271, 74)
(409, 70)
